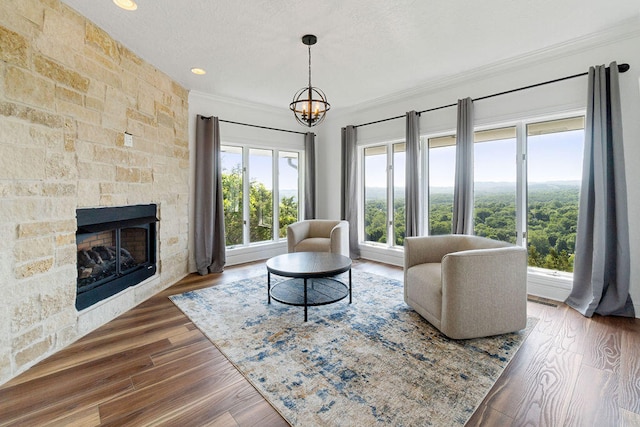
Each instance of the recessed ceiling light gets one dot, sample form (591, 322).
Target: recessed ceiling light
(198, 71)
(126, 4)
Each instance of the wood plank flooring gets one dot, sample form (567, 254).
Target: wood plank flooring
(152, 366)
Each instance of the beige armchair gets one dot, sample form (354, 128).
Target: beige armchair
(319, 235)
(466, 286)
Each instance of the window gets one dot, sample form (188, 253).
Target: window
(260, 195)
(384, 194)
(533, 202)
(441, 166)
(375, 194)
(288, 190)
(232, 192)
(554, 173)
(494, 183)
(495, 177)
(257, 177)
(399, 206)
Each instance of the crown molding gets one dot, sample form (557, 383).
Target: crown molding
(236, 102)
(627, 29)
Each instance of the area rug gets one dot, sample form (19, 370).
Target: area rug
(374, 361)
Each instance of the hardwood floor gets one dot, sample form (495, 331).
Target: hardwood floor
(152, 366)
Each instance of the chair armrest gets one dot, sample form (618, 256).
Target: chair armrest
(339, 237)
(296, 232)
(476, 274)
(477, 284)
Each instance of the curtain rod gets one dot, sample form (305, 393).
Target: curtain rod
(622, 68)
(256, 126)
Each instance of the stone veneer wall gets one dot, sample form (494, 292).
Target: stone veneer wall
(68, 92)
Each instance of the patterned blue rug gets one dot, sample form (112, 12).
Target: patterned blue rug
(374, 361)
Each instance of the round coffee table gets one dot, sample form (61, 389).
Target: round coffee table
(312, 282)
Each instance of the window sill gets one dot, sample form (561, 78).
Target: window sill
(555, 285)
(255, 252)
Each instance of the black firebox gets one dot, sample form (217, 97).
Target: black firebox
(116, 250)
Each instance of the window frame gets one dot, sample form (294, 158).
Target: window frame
(518, 176)
(425, 185)
(521, 178)
(390, 213)
(246, 148)
(532, 269)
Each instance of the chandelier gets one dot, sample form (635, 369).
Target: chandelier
(309, 104)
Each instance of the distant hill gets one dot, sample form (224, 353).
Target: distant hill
(503, 187)
(377, 193)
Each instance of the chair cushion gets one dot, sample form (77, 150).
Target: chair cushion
(321, 227)
(314, 244)
(424, 286)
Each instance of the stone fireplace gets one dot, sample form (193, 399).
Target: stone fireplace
(69, 94)
(116, 250)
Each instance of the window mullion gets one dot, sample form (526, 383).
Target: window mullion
(275, 194)
(302, 189)
(245, 196)
(521, 187)
(390, 184)
(425, 184)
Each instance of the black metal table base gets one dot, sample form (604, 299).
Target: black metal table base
(308, 292)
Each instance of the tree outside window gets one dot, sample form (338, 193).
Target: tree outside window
(384, 193)
(551, 176)
(263, 216)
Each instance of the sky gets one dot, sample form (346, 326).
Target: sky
(551, 157)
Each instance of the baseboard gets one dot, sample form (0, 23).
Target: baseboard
(555, 288)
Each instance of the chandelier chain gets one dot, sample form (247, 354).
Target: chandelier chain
(309, 47)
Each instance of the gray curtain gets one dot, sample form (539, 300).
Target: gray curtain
(602, 264)
(349, 206)
(209, 237)
(412, 176)
(310, 181)
(463, 189)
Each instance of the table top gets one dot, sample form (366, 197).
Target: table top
(308, 264)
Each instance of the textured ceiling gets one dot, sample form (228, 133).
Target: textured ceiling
(366, 49)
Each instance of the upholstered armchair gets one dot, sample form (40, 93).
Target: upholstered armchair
(319, 235)
(466, 286)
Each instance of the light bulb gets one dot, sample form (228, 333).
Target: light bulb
(126, 4)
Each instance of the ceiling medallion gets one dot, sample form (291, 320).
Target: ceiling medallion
(309, 104)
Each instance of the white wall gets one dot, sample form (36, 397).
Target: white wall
(620, 44)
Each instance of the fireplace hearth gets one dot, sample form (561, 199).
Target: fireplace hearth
(116, 250)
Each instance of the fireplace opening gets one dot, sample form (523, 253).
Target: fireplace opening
(116, 250)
